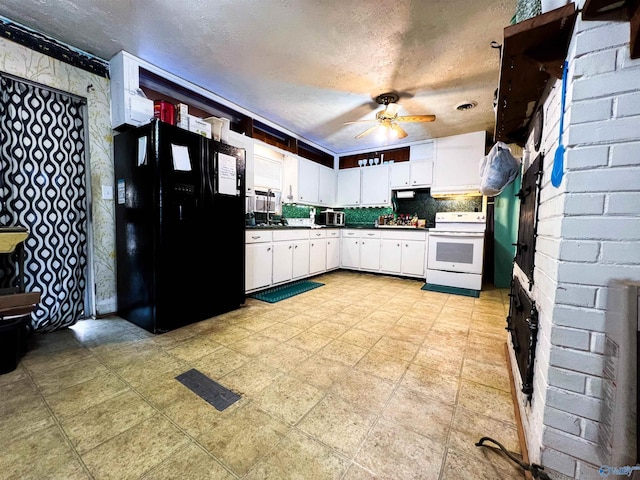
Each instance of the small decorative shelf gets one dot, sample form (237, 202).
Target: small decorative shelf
(533, 51)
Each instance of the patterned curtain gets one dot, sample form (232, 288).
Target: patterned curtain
(43, 188)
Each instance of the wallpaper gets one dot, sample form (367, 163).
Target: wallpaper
(26, 63)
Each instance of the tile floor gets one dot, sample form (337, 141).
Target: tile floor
(366, 377)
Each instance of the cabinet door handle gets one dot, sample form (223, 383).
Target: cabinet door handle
(269, 249)
(289, 247)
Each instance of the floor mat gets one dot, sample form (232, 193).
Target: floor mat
(210, 391)
(275, 294)
(453, 290)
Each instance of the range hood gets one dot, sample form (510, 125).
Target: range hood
(457, 190)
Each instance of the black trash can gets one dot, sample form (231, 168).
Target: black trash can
(14, 336)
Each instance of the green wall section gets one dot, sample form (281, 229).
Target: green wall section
(505, 217)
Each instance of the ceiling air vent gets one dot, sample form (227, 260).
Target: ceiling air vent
(463, 106)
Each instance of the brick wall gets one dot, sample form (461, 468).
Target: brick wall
(589, 235)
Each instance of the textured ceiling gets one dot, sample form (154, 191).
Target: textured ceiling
(308, 66)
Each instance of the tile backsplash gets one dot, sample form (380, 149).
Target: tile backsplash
(423, 205)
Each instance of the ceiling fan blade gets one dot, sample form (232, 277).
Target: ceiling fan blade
(416, 118)
(361, 121)
(400, 133)
(367, 131)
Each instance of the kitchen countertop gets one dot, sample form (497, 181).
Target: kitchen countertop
(358, 226)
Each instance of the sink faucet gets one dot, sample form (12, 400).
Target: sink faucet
(269, 192)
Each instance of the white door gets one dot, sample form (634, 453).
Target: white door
(455, 251)
(301, 259)
(375, 185)
(282, 261)
(333, 253)
(399, 174)
(308, 181)
(348, 187)
(258, 265)
(370, 254)
(421, 173)
(351, 252)
(413, 253)
(317, 255)
(390, 258)
(326, 186)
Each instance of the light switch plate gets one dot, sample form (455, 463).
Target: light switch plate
(107, 192)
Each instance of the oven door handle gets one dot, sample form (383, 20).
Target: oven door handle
(457, 234)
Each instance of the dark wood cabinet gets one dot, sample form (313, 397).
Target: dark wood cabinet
(532, 52)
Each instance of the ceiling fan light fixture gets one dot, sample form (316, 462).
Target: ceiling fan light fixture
(388, 116)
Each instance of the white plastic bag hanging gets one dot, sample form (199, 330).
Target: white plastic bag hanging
(498, 169)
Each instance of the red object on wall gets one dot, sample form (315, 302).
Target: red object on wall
(165, 111)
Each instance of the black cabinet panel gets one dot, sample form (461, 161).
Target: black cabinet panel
(528, 222)
(522, 324)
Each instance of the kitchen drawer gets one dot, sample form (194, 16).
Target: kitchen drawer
(333, 233)
(317, 234)
(369, 234)
(298, 234)
(404, 235)
(253, 236)
(350, 233)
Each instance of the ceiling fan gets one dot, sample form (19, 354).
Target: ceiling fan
(388, 118)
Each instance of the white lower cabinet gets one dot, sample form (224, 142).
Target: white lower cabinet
(370, 250)
(290, 255)
(301, 257)
(360, 249)
(317, 252)
(404, 253)
(413, 258)
(391, 256)
(350, 242)
(275, 257)
(333, 249)
(282, 262)
(258, 260)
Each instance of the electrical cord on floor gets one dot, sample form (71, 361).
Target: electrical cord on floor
(536, 470)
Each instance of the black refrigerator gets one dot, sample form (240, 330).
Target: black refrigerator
(180, 205)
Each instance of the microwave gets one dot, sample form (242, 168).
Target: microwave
(331, 218)
(268, 201)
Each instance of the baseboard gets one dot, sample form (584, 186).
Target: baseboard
(516, 410)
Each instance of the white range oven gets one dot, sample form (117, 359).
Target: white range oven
(456, 249)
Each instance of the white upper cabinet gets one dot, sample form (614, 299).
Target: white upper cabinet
(421, 174)
(457, 163)
(375, 185)
(308, 182)
(326, 186)
(411, 174)
(349, 187)
(421, 151)
(400, 175)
